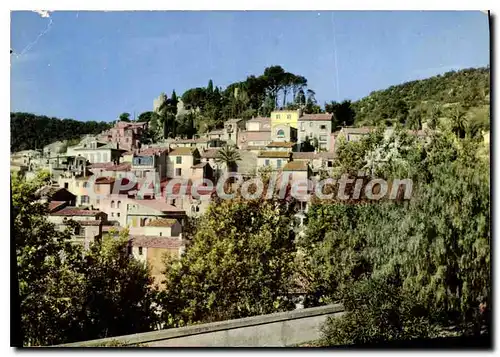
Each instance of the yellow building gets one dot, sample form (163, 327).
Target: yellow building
(285, 117)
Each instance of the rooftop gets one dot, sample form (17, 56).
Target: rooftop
(305, 155)
(296, 166)
(209, 153)
(151, 151)
(110, 166)
(259, 120)
(55, 205)
(156, 242)
(362, 130)
(158, 205)
(280, 144)
(274, 154)
(162, 222)
(183, 151)
(74, 211)
(316, 117)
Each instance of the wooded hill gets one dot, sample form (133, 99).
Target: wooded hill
(30, 131)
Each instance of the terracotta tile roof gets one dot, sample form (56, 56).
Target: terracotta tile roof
(259, 120)
(200, 165)
(274, 154)
(158, 205)
(73, 211)
(209, 153)
(151, 151)
(162, 222)
(316, 117)
(110, 166)
(280, 144)
(182, 151)
(55, 205)
(296, 166)
(156, 242)
(305, 155)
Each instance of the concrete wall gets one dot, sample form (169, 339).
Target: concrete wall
(274, 330)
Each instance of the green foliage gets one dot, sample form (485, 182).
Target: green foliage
(68, 295)
(406, 102)
(29, 131)
(124, 117)
(377, 311)
(239, 264)
(228, 156)
(145, 117)
(434, 249)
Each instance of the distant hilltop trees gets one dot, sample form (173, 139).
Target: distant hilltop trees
(30, 131)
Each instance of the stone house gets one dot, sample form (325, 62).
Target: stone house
(180, 161)
(126, 135)
(317, 126)
(273, 159)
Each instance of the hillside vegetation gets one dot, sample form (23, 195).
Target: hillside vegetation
(416, 102)
(30, 131)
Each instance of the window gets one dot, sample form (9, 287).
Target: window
(85, 199)
(140, 250)
(112, 204)
(280, 133)
(322, 127)
(129, 250)
(330, 163)
(310, 124)
(118, 214)
(77, 231)
(118, 204)
(85, 184)
(112, 214)
(277, 116)
(266, 162)
(278, 163)
(289, 116)
(97, 201)
(323, 138)
(178, 172)
(302, 126)
(66, 185)
(178, 160)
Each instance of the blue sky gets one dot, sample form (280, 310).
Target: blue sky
(96, 65)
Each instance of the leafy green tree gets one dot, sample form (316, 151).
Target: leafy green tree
(239, 264)
(66, 294)
(125, 117)
(145, 117)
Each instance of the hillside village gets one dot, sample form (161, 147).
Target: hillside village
(295, 144)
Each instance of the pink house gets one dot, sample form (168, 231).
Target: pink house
(127, 135)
